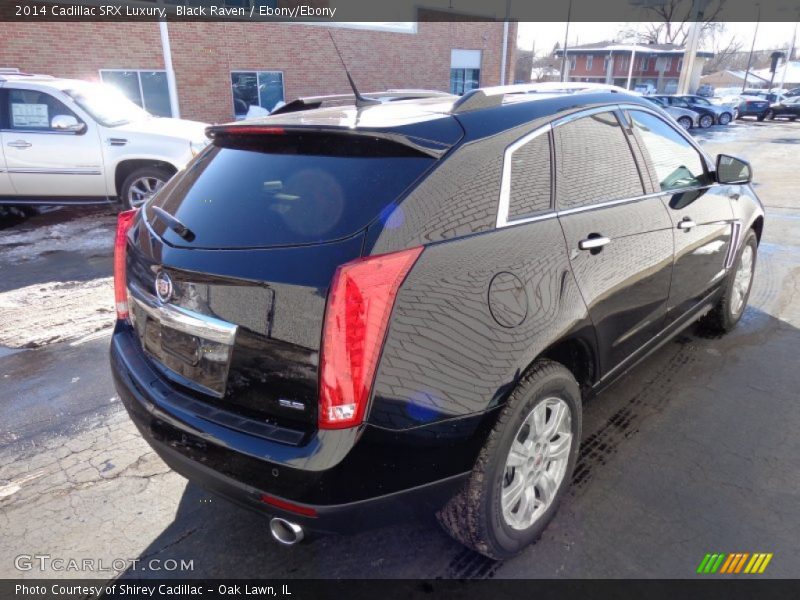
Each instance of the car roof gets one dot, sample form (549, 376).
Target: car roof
(494, 108)
(59, 83)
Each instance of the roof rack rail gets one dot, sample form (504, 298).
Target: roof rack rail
(489, 97)
(6, 72)
(309, 102)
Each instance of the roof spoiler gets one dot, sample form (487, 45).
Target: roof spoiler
(310, 102)
(431, 148)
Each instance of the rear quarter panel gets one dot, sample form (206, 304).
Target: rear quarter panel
(446, 355)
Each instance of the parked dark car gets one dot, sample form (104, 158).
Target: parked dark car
(724, 114)
(345, 315)
(753, 106)
(789, 108)
(707, 116)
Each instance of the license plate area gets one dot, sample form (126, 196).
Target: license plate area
(194, 350)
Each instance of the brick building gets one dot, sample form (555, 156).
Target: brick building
(658, 65)
(225, 70)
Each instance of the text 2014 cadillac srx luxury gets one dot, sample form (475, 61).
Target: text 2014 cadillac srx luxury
(339, 315)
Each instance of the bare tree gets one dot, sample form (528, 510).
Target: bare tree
(726, 52)
(672, 24)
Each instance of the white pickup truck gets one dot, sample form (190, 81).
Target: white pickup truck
(66, 141)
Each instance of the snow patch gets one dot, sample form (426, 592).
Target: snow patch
(56, 311)
(93, 235)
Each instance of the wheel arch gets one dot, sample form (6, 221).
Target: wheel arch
(758, 227)
(129, 165)
(579, 355)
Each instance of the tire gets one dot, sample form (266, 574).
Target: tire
(761, 117)
(724, 118)
(685, 122)
(770, 115)
(706, 121)
(134, 191)
(735, 292)
(475, 516)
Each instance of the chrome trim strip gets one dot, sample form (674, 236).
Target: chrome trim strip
(187, 321)
(736, 231)
(505, 182)
(54, 172)
(41, 131)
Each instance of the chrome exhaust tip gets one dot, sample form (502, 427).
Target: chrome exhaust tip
(285, 532)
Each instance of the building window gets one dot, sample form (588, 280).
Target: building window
(573, 63)
(605, 63)
(589, 62)
(465, 70)
(644, 63)
(668, 63)
(148, 89)
(622, 62)
(680, 64)
(256, 92)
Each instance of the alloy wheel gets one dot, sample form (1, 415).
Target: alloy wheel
(685, 122)
(741, 281)
(536, 463)
(706, 121)
(724, 119)
(142, 189)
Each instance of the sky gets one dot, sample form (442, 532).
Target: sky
(546, 35)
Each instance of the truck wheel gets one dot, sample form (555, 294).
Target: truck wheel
(736, 289)
(523, 469)
(141, 185)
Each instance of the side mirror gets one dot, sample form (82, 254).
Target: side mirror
(733, 170)
(67, 123)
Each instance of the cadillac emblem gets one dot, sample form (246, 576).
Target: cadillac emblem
(163, 287)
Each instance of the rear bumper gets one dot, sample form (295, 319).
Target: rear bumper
(349, 479)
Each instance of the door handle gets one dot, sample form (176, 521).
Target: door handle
(687, 224)
(593, 243)
(19, 144)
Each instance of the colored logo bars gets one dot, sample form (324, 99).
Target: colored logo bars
(739, 562)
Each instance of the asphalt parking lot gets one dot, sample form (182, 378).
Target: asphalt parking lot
(695, 451)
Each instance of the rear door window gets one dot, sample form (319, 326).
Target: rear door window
(594, 162)
(272, 190)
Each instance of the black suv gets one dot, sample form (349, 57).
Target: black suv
(343, 315)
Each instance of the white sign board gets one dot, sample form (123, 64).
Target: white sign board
(29, 115)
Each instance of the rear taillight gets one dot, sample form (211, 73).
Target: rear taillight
(124, 222)
(359, 307)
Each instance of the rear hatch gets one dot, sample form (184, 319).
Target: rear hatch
(231, 310)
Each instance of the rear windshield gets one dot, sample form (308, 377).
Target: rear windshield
(273, 190)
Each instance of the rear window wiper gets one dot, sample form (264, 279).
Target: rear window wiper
(174, 224)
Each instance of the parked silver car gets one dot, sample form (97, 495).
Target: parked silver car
(686, 118)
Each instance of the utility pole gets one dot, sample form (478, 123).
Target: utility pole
(752, 48)
(172, 87)
(789, 57)
(566, 41)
